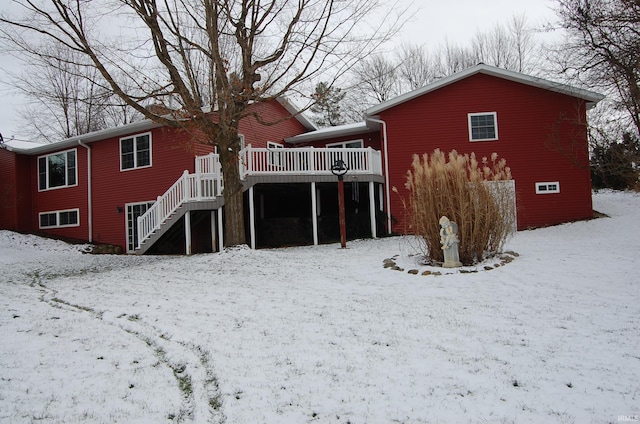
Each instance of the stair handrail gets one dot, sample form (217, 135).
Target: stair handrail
(188, 187)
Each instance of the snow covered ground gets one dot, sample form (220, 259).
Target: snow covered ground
(321, 334)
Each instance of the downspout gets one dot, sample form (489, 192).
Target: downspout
(386, 168)
(89, 191)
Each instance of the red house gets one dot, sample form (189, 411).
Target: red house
(537, 125)
(153, 189)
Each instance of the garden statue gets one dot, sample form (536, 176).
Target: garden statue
(449, 241)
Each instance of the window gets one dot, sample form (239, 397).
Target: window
(60, 219)
(548, 188)
(135, 152)
(57, 170)
(275, 157)
(353, 144)
(352, 159)
(483, 126)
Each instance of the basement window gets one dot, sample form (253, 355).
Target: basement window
(60, 219)
(548, 188)
(483, 126)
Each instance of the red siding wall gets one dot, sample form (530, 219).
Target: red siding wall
(8, 192)
(113, 189)
(24, 200)
(282, 125)
(540, 136)
(61, 198)
(275, 125)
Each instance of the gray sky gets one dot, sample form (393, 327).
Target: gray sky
(434, 23)
(458, 20)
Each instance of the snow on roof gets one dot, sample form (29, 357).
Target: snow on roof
(295, 111)
(32, 148)
(13, 145)
(590, 96)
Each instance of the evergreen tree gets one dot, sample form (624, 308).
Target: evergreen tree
(327, 105)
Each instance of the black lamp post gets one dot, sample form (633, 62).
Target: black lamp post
(338, 169)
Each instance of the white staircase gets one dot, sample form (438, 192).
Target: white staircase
(201, 190)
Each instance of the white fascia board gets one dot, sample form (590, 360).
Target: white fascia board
(332, 132)
(39, 148)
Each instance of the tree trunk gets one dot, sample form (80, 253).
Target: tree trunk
(233, 198)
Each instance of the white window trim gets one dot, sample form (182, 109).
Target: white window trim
(495, 122)
(343, 144)
(47, 165)
(545, 190)
(48, 227)
(135, 151)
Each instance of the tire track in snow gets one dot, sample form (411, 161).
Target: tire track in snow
(191, 364)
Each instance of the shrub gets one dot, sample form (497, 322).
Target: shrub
(616, 165)
(478, 196)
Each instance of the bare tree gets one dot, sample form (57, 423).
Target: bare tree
(602, 49)
(66, 95)
(454, 58)
(511, 46)
(376, 77)
(524, 44)
(379, 78)
(417, 67)
(201, 55)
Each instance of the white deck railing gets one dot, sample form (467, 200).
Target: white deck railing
(307, 161)
(209, 164)
(189, 187)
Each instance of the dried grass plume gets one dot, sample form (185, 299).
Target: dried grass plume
(477, 194)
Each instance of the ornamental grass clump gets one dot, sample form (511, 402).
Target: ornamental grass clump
(478, 195)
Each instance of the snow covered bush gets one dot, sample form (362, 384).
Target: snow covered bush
(478, 195)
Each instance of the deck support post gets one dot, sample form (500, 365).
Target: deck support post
(252, 217)
(187, 232)
(342, 219)
(220, 231)
(314, 212)
(212, 217)
(339, 169)
(372, 209)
